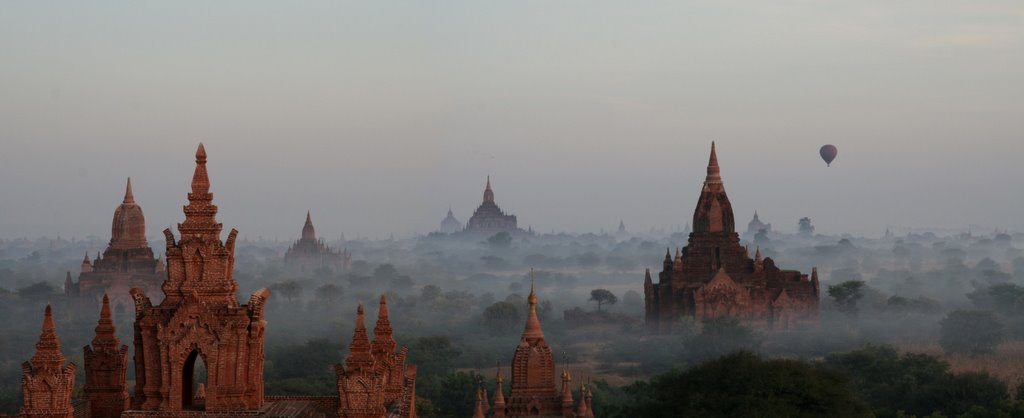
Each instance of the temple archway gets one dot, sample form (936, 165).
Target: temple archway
(193, 374)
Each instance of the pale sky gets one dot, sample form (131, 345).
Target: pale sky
(377, 116)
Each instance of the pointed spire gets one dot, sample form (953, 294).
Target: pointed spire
(755, 216)
(647, 277)
(86, 259)
(128, 196)
(48, 355)
(308, 232)
(488, 193)
(566, 393)
(106, 333)
(200, 180)
(581, 408)
(714, 172)
(588, 399)
(478, 410)
(359, 356)
(532, 330)
(499, 394)
(383, 341)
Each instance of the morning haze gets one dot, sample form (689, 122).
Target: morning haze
(377, 117)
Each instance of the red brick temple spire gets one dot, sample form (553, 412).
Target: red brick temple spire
(478, 411)
(714, 212)
(383, 340)
(106, 367)
(128, 229)
(200, 213)
(359, 355)
(106, 334)
(567, 400)
(532, 330)
(581, 408)
(46, 383)
(499, 394)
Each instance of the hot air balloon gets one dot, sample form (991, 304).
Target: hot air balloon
(828, 153)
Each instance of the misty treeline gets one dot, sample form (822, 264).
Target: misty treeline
(911, 325)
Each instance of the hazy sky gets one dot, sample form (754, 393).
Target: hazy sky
(379, 115)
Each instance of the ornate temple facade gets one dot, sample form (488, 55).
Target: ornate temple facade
(715, 276)
(375, 381)
(126, 263)
(450, 225)
(200, 319)
(310, 254)
(534, 390)
(489, 219)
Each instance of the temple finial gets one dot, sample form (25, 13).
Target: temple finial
(714, 172)
(488, 193)
(128, 196)
(200, 180)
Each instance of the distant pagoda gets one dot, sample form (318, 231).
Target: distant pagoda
(310, 254)
(489, 219)
(450, 225)
(126, 263)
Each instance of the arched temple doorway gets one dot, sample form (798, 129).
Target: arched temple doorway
(193, 375)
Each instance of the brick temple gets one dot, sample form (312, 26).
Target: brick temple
(488, 219)
(715, 276)
(534, 390)
(126, 263)
(309, 254)
(200, 319)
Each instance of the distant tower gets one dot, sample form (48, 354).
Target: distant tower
(309, 254)
(46, 382)
(449, 224)
(489, 219)
(622, 228)
(127, 262)
(756, 225)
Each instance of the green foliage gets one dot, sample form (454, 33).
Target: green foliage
(916, 384)
(970, 332)
(290, 290)
(603, 296)
(719, 336)
(302, 369)
(742, 385)
(433, 356)
(502, 318)
(846, 295)
(500, 240)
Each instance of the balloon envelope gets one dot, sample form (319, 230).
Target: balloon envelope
(828, 153)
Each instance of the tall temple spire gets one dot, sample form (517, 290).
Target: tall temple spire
(128, 228)
(532, 330)
(106, 365)
(200, 179)
(714, 212)
(359, 356)
(106, 333)
(383, 341)
(488, 193)
(48, 355)
(46, 382)
(308, 232)
(478, 410)
(128, 196)
(499, 394)
(200, 213)
(714, 172)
